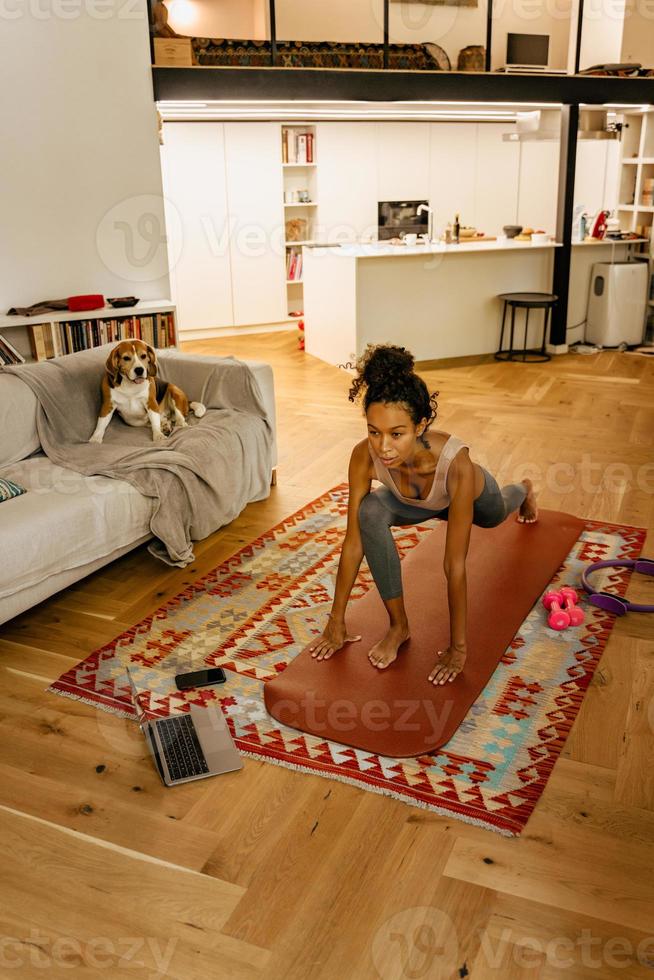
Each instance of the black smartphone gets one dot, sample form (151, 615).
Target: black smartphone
(200, 678)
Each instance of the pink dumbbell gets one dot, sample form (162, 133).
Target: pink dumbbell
(558, 618)
(571, 599)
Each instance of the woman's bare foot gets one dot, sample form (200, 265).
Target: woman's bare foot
(528, 510)
(385, 652)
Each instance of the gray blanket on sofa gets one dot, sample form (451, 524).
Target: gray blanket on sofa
(201, 477)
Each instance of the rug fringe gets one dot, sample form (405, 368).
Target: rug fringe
(441, 811)
(94, 704)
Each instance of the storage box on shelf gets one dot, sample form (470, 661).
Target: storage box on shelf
(62, 332)
(173, 52)
(300, 204)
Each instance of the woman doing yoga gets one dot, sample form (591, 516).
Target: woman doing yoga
(424, 473)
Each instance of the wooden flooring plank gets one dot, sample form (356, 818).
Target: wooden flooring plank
(118, 887)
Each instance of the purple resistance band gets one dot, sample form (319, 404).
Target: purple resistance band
(615, 603)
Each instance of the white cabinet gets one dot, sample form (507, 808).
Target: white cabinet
(452, 149)
(225, 222)
(193, 166)
(347, 181)
(253, 159)
(538, 186)
(497, 165)
(402, 161)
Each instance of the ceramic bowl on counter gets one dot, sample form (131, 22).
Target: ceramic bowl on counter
(512, 230)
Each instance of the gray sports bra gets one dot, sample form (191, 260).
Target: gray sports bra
(438, 497)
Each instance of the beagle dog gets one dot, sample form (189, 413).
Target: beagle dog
(131, 388)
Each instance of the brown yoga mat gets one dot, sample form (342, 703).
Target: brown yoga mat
(397, 711)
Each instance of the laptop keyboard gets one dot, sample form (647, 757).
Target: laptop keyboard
(181, 747)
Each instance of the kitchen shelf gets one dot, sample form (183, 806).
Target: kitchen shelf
(648, 208)
(293, 282)
(303, 165)
(301, 204)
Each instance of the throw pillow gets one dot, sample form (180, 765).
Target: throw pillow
(9, 489)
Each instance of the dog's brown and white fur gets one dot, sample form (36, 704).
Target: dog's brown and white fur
(130, 387)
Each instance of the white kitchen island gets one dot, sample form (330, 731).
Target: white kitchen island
(436, 300)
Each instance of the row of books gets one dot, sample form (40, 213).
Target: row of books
(294, 264)
(69, 336)
(8, 353)
(297, 147)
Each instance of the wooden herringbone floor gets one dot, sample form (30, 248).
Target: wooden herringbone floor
(270, 873)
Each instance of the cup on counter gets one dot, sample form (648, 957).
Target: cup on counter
(411, 239)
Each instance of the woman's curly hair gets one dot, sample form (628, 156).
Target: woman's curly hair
(385, 374)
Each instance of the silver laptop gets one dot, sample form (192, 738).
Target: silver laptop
(188, 746)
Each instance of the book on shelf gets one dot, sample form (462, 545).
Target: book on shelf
(297, 147)
(49, 340)
(294, 265)
(8, 353)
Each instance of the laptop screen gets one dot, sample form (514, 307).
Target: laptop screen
(140, 713)
(527, 49)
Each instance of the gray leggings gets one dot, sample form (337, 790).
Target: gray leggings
(381, 510)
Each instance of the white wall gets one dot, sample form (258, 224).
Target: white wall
(638, 34)
(79, 167)
(243, 19)
(601, 39)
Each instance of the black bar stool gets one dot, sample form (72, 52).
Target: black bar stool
(526, 302)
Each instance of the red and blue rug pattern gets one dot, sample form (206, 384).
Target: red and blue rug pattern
(255, 612)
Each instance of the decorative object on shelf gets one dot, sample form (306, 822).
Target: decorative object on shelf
(320, 54)
(36, 309)
(91, 301)
(472, 58)
(439, 55)
(121, 301)
(296, 229)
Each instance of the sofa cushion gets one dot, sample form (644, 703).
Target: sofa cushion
(18, 405)
(66, 520)
(9, 489)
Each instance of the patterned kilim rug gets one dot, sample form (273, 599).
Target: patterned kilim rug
(257, 610)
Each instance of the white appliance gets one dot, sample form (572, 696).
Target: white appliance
(617, 303)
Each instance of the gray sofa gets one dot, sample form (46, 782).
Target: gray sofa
(66, 525)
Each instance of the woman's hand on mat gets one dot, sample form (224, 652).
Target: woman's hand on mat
(450, 663)
(334, 636)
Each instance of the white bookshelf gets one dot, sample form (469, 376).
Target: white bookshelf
(635, 208)
(16, 328)
(299, 179)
